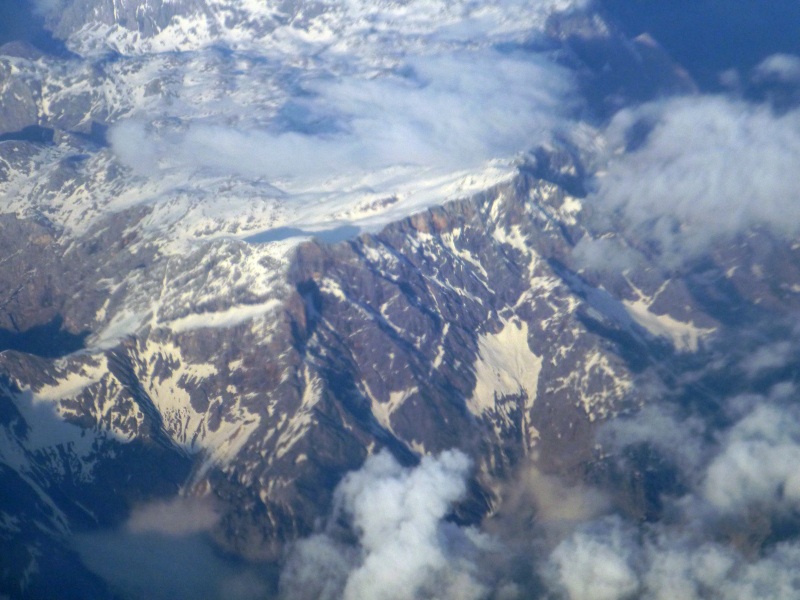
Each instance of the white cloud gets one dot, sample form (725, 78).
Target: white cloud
(783, 68)
(757, 465)
(773, 577)
(47, 7)
(317, 569)
(451, 111)
(611, 560)
(596, 564)
(739, 465)
(673, 570)
(710, 168)
(607, 255)
(680, 439)
(405, 550)
(769, 356)
(675, 575)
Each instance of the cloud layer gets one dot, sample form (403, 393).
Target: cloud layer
(728, 531)
(451, 111)
(707, 168)
(164, 551)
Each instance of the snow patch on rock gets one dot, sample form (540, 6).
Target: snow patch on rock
(505, 366)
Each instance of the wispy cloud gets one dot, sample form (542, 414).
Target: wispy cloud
(701, 170)
(164, 551)
(451, 111)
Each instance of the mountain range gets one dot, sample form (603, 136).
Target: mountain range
(282, 282)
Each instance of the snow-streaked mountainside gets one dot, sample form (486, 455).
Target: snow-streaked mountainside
(362, 27)
(249, 248)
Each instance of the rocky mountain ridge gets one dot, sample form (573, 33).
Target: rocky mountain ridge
(458, 327)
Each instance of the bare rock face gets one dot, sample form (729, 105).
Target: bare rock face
(464, 326)
(448, 329)
(19, 102)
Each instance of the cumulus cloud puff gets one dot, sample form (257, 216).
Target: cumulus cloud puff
(610, 560)
(403, 548)
(723, 461)
(708, 168)
(729, 533)
(451, 111)
(596, 563)
(758, 462)
(784, 68)
(719, 537)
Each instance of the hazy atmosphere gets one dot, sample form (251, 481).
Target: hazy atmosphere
(359, 300)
